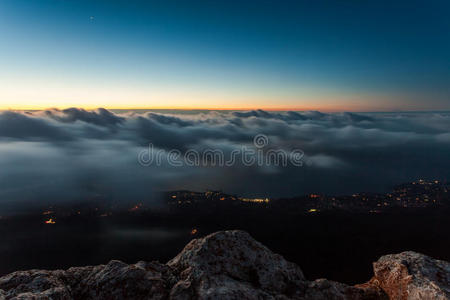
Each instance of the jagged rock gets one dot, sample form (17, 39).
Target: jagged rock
(35, 284)
(228, 265)
(232, 265)
(410, 275)
(118, 280)
(326, 289)
(207, 266)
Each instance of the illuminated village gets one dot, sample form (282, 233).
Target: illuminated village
(420, 194)
(417, 194)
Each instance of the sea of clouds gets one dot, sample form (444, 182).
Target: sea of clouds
(69, 155)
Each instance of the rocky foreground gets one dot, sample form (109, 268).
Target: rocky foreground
(229, 265)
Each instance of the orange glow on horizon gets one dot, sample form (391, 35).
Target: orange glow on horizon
(41, 95)
(212, 108)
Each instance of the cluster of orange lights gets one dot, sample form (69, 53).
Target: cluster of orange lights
(50, 221)
(136, 207)
(255, 200)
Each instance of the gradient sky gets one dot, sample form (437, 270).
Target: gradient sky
(327, 55)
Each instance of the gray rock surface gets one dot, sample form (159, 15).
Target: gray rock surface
(208, 265)
(228, 265)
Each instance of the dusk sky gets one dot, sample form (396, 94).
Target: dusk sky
(298, 55)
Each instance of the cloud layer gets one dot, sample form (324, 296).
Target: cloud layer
(72, 155)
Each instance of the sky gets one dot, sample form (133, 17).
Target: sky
(287, 55)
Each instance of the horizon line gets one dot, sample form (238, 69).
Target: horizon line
(280, 109)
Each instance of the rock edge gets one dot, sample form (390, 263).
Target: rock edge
(229, 265)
